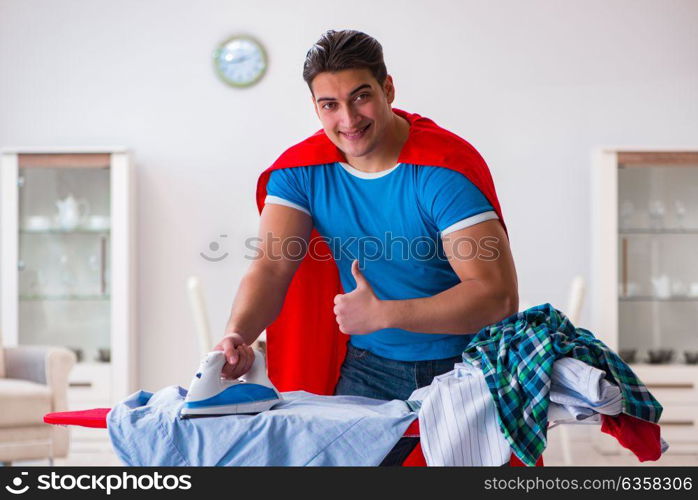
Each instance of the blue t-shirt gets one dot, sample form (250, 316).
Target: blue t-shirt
(392, 221)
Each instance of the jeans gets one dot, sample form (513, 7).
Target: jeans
(365, 374)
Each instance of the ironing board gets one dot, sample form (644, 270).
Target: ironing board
(97, 418)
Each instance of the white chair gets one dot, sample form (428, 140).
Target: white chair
(197, 302)
(198, 311)
(576, 299)
(573, 312)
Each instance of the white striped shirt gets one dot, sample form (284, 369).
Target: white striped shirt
(458, 421)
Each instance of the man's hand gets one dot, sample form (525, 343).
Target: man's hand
(358, 311)
(239, 356)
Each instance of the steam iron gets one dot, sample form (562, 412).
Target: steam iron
(211, 395)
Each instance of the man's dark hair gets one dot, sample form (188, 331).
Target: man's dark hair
(346, 49)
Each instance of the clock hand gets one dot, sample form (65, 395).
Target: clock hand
(239, 59)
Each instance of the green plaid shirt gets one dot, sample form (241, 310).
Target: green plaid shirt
(516, 356)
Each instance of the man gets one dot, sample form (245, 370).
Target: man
(372, 177)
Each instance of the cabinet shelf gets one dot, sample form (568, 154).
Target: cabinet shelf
(29, 298)
(649, 298)
(658, 231)
(65, 231)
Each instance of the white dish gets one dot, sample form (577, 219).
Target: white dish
(37, 223)
(98, 222)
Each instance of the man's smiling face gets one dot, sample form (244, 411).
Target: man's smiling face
(354, 109)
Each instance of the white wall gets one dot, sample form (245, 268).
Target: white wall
(534, 86)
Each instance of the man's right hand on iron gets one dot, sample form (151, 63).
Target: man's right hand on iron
(238, 355)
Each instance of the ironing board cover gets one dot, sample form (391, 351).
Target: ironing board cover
(95, 417)
(305, 348)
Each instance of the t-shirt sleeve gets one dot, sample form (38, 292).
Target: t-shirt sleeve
(286, 187)
(452, 201)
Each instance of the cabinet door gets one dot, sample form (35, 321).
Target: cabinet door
(64, 240)
(657, 264)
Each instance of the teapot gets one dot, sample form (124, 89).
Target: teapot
(71, 212)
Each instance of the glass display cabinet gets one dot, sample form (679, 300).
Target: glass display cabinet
(67, 263)
(644, 290)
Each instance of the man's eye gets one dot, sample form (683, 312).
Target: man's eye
(360, 96)
(325, 106)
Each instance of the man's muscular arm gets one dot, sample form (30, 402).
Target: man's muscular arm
(488, 291)
(262, 290)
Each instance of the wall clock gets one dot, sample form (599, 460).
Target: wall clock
(240, 61)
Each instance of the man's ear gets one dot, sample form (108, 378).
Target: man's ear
(389, 89)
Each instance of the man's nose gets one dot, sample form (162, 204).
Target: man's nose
(350, 118)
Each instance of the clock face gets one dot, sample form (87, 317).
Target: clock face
(240, 61)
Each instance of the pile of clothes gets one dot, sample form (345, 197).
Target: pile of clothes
(523, 375)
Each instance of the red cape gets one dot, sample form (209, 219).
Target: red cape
(305, 348)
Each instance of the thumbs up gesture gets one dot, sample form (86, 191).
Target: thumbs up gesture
(358, 311)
